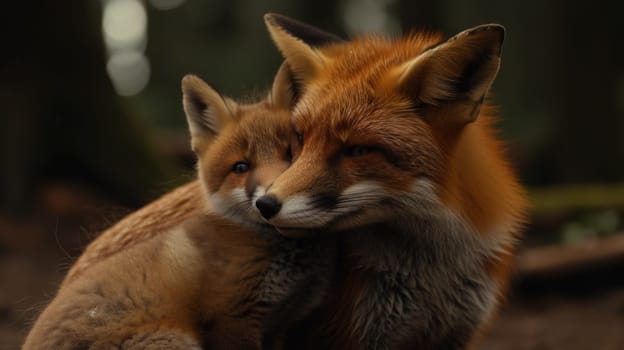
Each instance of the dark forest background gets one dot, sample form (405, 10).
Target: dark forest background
(91, 124)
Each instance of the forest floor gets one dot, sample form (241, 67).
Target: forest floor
(584, 310)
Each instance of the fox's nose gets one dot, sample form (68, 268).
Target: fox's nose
(268, 206)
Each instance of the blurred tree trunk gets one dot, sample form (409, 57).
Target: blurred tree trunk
(587, 143)
(63, 120)
(323, 14)
(420, 15)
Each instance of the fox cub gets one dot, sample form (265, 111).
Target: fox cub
(396, 151)
(221, 279)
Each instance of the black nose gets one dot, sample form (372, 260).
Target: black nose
(268, 206)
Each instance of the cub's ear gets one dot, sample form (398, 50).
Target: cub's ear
(285, 89)
(456, 73)
(298, 43)
(207, 111)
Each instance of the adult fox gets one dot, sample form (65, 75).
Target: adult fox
(213, 274)
(396, 151)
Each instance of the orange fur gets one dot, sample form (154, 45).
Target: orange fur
(405, 120)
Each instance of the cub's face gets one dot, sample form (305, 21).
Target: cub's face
(241, 149)
(243, 160)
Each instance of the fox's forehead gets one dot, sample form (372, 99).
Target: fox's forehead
(262, 128)
(337, 107)
(387, 122)
(351, 107)
(348, 83)
(370, 54)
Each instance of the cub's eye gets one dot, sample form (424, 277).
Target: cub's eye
(240, 167)
(358, 151)
(289, 154)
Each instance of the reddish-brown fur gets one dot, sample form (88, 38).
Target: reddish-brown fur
(454, 156)
(403, 100)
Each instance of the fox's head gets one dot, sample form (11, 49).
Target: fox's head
(240, 148)
(386, 128)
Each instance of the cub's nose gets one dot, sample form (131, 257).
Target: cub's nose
(268, 206)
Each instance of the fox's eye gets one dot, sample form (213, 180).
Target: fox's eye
(240, 167)
(299, 138)
(357, 151)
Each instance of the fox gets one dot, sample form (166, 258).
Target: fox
(396, 154)
(213, 275)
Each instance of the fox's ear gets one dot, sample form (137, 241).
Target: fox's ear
(285, 90)
(298, 43)
(207, 111)
(456, 73)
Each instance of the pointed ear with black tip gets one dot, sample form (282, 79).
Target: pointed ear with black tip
(298, 43)
(456, 73)
(207, 111)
